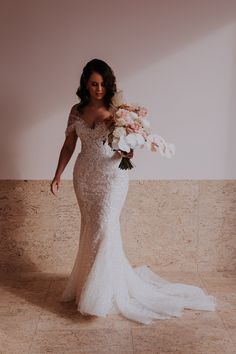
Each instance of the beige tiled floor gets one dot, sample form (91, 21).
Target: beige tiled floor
(34, 321)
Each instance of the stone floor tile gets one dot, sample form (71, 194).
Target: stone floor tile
(81, 341)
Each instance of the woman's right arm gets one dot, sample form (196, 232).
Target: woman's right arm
(64, 157)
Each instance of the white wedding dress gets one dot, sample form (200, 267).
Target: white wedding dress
(102, 280)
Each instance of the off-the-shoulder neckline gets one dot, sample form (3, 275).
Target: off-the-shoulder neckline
(80, 119)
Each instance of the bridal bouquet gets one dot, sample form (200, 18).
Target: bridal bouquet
(131, 130)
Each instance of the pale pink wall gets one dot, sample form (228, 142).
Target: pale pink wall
(175, 57)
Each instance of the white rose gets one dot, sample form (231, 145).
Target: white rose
(119, 131)
(145, 123)
(123, 145)
(121, 122)
(134, 140)
(133, 115)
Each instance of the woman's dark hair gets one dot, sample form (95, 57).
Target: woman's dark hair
(102, 68)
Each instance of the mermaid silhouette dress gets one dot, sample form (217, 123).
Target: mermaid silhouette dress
(102, 281)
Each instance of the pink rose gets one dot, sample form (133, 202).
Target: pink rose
(134, 127)
(122, 113)
(142, 112)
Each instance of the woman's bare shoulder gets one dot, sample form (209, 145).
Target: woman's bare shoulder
(74, 109)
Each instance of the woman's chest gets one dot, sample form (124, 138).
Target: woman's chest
(92, 118)
(98, 133)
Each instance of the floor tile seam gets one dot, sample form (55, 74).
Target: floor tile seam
(73, 330)
(38, 320)
(132, 338)
(226, 329)
(33, 335)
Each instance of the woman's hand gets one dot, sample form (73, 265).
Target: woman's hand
(55, 185)
(129, 155)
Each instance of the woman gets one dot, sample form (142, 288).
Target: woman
(102, 280)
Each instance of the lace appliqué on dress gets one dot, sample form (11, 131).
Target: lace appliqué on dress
(102, 280)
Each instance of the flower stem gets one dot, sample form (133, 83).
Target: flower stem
(126, 164)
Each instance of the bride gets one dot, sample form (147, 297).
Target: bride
(102, 280)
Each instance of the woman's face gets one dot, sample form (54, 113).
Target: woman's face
(95, 86)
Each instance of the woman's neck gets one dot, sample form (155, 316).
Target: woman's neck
(96, 103)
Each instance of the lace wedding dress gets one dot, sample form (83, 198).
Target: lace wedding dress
(102, 280)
